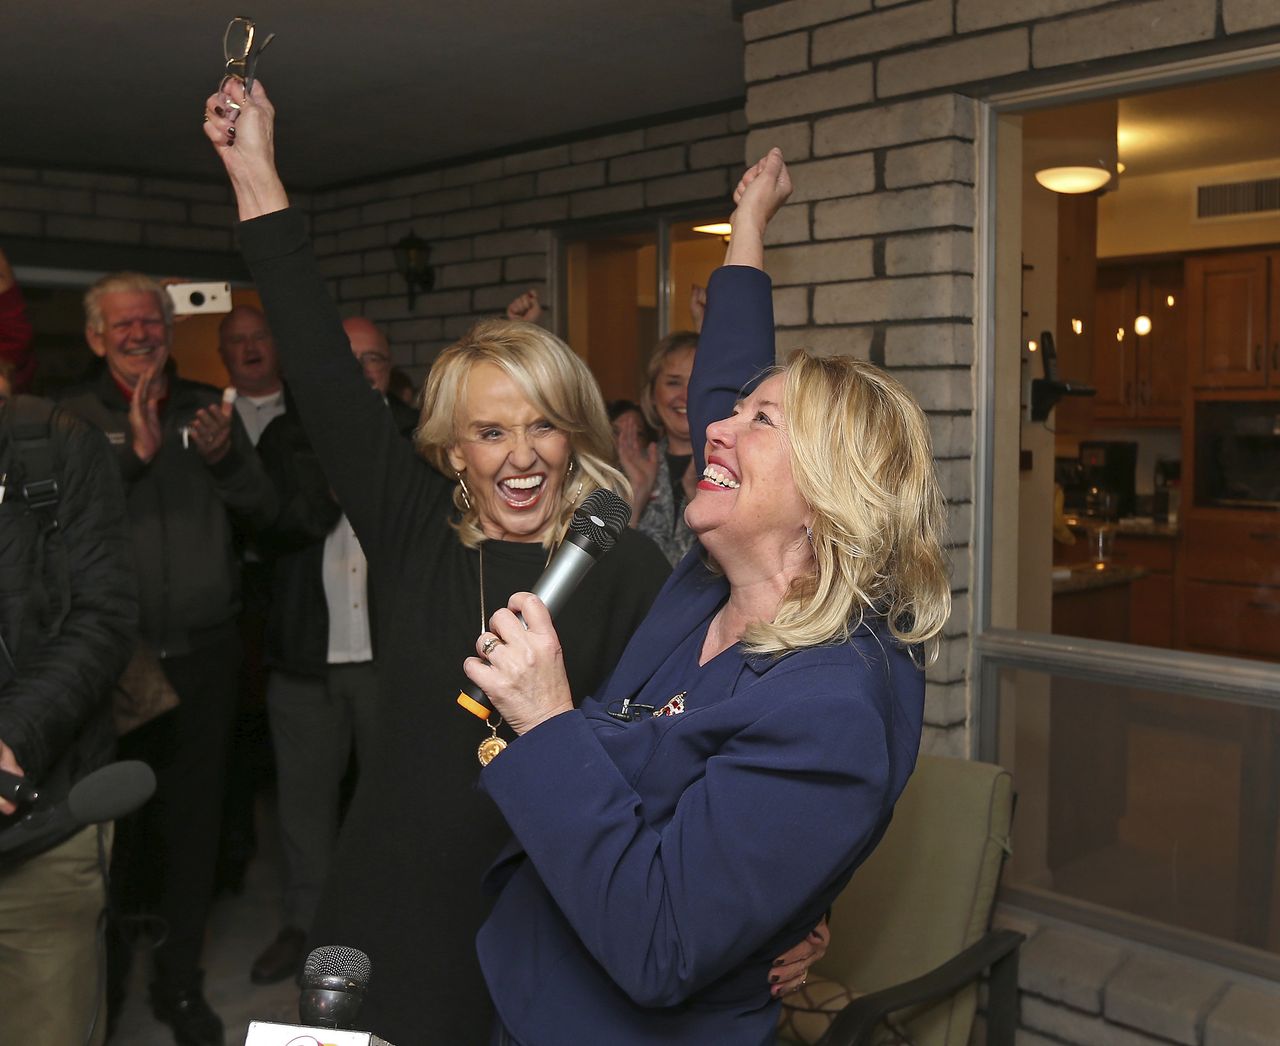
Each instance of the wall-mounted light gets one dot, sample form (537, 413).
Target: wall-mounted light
(1119, 334)
(1077, 326)
(1074, 180)
(715, 229)
(1142, 326)
(411, 253)
(1032, 346)
(1169, 301)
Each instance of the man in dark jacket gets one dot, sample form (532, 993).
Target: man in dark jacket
(191, 477)
(68, 617)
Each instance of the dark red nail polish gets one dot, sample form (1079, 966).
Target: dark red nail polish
(218, 110)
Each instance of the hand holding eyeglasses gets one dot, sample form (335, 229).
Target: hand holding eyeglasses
(240, 120)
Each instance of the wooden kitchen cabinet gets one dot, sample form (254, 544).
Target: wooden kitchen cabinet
(1151, 598)
(1140, 378)
(1231, 598)
(1233, 320)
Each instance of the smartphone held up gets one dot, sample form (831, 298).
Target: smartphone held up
(196, 298)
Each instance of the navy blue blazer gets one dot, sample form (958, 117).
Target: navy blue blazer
(663, 863)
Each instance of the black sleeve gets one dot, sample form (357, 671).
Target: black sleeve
(63, 679)
(385, 489)
(308, 511)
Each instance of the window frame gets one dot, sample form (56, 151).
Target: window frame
(996, 647)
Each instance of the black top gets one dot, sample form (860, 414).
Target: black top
(403, 886)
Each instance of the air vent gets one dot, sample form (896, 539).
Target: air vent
(1238, 199)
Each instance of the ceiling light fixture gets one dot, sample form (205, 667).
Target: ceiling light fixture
(1074, 180)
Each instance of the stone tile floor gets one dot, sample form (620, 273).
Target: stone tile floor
(239, 928)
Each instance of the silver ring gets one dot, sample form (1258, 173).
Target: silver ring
(486, 648)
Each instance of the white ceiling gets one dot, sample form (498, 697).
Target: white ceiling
(361, 88)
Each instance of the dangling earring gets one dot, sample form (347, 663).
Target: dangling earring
(573, 467)
(466, 495)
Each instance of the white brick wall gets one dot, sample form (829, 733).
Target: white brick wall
(487, 221)
(135, 211)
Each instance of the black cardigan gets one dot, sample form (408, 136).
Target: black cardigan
(404, 883)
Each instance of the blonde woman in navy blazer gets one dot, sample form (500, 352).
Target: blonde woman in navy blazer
(701, 813)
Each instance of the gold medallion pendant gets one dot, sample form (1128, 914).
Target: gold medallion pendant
(489, 749)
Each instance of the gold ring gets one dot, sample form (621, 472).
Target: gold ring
(486, 648)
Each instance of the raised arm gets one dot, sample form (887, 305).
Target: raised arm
(382, 485)
(736, 344)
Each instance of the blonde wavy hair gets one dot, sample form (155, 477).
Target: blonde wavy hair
(862, 459)
(559, 385)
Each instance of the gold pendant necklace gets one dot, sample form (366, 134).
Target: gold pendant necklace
(489, 748)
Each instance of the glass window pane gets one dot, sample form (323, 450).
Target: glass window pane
(1157, 805)
(1148, 471)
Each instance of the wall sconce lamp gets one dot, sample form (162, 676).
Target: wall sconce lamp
(411, 254)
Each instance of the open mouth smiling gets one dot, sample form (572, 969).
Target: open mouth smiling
(717, 477)
(522, 492)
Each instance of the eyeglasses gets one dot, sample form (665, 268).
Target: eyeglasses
(237, 48)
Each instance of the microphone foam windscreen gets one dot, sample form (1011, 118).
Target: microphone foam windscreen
(334, 960)
(111, 792)
(601, 518)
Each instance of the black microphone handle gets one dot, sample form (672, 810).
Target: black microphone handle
(18, 790)
(564, 573)
(107, 793)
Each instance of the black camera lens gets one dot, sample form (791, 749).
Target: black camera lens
(197, 298)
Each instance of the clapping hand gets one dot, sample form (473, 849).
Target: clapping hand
(639, 462)
(211, 431)
(144, 410)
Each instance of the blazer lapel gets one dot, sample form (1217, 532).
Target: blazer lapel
(690, 596)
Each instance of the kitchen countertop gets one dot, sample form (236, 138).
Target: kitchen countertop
(1088, 576)
(1130, 526)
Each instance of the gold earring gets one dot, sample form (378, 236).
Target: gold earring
(569, 475)
(466, 495)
